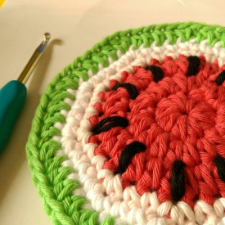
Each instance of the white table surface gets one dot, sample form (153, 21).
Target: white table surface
(75, 26)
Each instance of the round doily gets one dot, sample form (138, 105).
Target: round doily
(133, 131)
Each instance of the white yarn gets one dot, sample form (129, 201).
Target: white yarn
(108, 197)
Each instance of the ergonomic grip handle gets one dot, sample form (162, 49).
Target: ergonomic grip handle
(12, 98)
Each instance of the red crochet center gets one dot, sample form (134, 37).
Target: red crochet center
(178, 118)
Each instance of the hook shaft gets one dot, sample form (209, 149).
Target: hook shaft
(34, 60)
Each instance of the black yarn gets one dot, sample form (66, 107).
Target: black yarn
(177, 181)
(132, 90)
(108, 123)
(220, 78)
(194, 63)
(220, 164)
(128, 152)
(156, 71)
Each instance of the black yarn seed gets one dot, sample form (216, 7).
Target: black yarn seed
(133, 183)
(220, 78)
(132, 90)
(108, 123)
(128, 152)
(194, 63)
(177, 181)
(156, 71)
(220, 164)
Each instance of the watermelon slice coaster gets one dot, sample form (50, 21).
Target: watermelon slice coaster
(133, 131)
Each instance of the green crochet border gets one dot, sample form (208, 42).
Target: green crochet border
(48, 175)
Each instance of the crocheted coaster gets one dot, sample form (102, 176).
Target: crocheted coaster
(133, 131)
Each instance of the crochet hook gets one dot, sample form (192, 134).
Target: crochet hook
(13, 95)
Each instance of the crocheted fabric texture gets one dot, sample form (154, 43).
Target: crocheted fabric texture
(133, 131)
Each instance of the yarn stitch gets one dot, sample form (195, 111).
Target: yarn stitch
(132, 132)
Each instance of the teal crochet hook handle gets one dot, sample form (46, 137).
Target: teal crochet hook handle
(13, 96)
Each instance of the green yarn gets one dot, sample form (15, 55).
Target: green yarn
(50, 178)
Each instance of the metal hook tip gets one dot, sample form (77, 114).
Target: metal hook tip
(46, 37)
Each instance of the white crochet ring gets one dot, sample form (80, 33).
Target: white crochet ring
(100, 186)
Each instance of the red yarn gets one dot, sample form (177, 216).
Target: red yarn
(178, 118)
